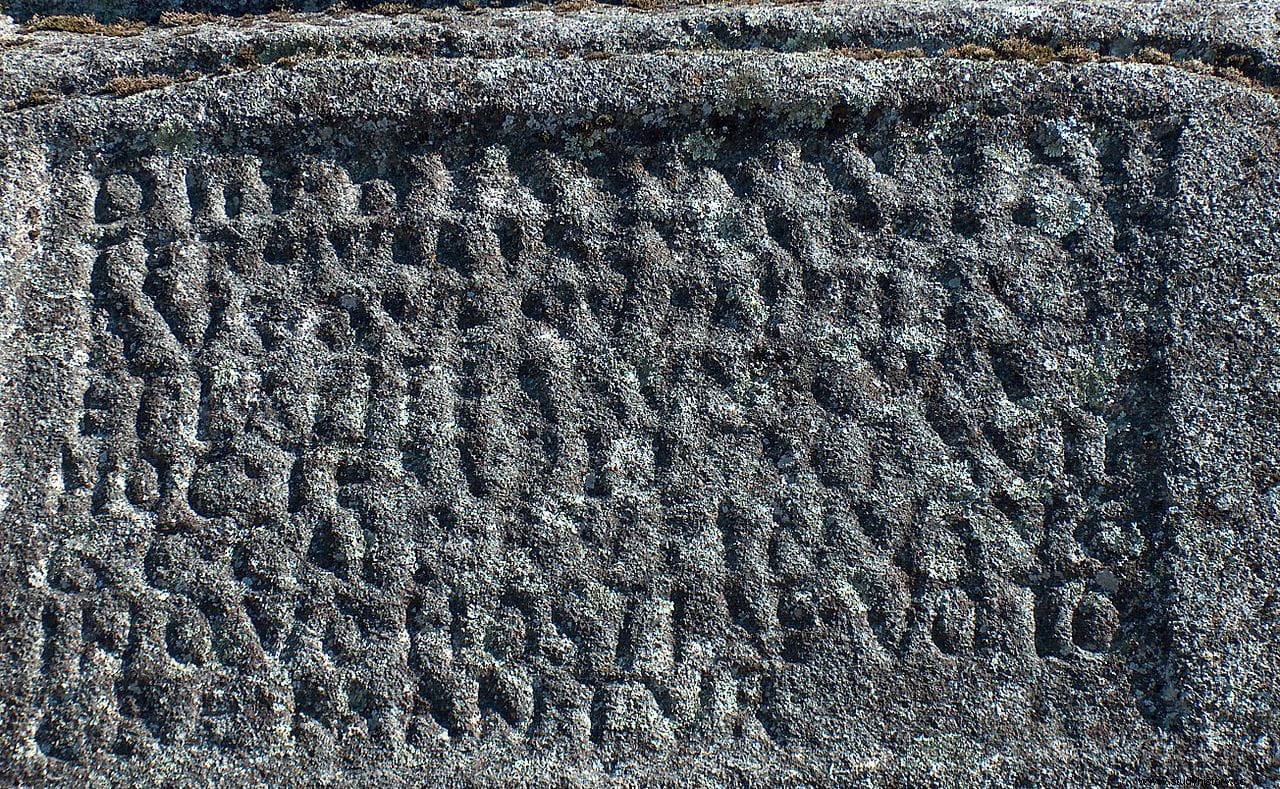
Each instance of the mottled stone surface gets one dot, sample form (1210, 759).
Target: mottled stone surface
(521, 398)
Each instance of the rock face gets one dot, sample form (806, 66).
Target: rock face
(756, 396)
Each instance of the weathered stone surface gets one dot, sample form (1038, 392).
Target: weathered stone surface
(698, 397)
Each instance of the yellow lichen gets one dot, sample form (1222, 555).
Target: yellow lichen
(84, 24)
(875, 53)
(392, 9)
(246, 57)
(128, 86)
(972, 52)
(1076, 54)
(184, 19)
(35, 98)
(1153, 55)
(1022, 49)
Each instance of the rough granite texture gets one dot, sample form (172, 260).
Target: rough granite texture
(608, 398)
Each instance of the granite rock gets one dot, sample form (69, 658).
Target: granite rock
(878, 394)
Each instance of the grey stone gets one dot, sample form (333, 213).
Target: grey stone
(827, 395)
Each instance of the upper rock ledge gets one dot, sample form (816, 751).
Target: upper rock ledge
(46, 57)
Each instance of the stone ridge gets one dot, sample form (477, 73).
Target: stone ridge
(42, 61)
(153, 10)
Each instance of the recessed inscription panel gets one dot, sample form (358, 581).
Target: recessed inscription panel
(605, 444)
